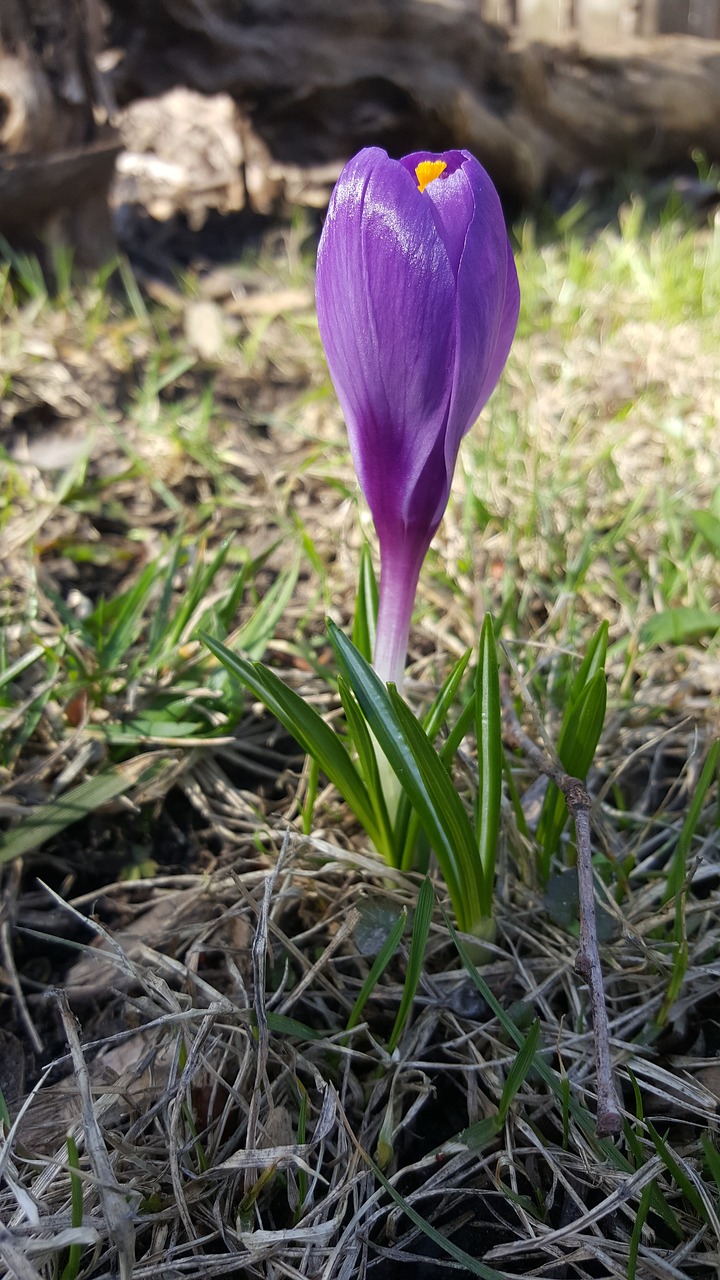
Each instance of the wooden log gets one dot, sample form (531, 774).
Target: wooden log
(34, 188)
(56, 162)
(320, 79)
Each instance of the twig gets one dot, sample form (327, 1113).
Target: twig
(7, 910)
(260, 949)
(116, 1204)
(587, 961)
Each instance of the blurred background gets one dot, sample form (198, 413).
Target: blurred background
(130, 125)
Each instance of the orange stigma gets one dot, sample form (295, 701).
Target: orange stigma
(427, 171)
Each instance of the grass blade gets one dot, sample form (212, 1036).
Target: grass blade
(418, 942)
(680, 1177)
(367, 756)
(447, 817)
(366, 606)
(579, 742)
(459, 1255)
(198, 586)
(435, 716)
(406, 820)
(122, 619)
(378, 967)
(605, 1147)
(49, 819)
(712, 1159)
(488, 724)
(14, 669)
(161, 614)
(308, 728)
(458, 732)
(72, 1266)
(640, 1218)
(256, 633)
(308, 808)
(678, 865)
(592, 663)
(519, 1070)
(575, 734)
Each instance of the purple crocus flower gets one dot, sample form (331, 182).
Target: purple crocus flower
(417, 300)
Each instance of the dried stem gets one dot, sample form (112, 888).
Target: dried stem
(587, 961)
(7, 913)
(116, 1204)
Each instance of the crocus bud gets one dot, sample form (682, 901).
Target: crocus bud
(417, 301)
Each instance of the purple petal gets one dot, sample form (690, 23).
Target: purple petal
(471, 223)
(386, 298)
(473, 228)
(451, 197)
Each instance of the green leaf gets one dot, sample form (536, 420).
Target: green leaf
(476, 1137)
(303, 722)
(488, 724)
(519, 1070)
(581, 735)
(435, 716)
(712, 1158)
(708, 525)
(678, 865)
(284, 1026)
(418, 942)
(49, 819)
(446, 823)
(577, 736)
(679, 626)
(681, 1179)
(406, 820)
(421, 774)
(366, 606)
(72, 1266)
(367, 756)
(256, 633)
(308, 809)
(640, 1218)
(584, 727)
(458, 731)
(161, 614)
(196, 590)
(473, 1266)
(147, 728)
(659, 1203)
(592, 663)
(126, 621)
(10, 673)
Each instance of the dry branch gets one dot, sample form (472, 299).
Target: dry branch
(52, 156)
(587, 962)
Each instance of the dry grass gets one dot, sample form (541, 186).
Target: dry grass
(225, 1119)
(195, 1100)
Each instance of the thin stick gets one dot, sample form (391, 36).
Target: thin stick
(7, 911)
(587, 961)
(116, 1204)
